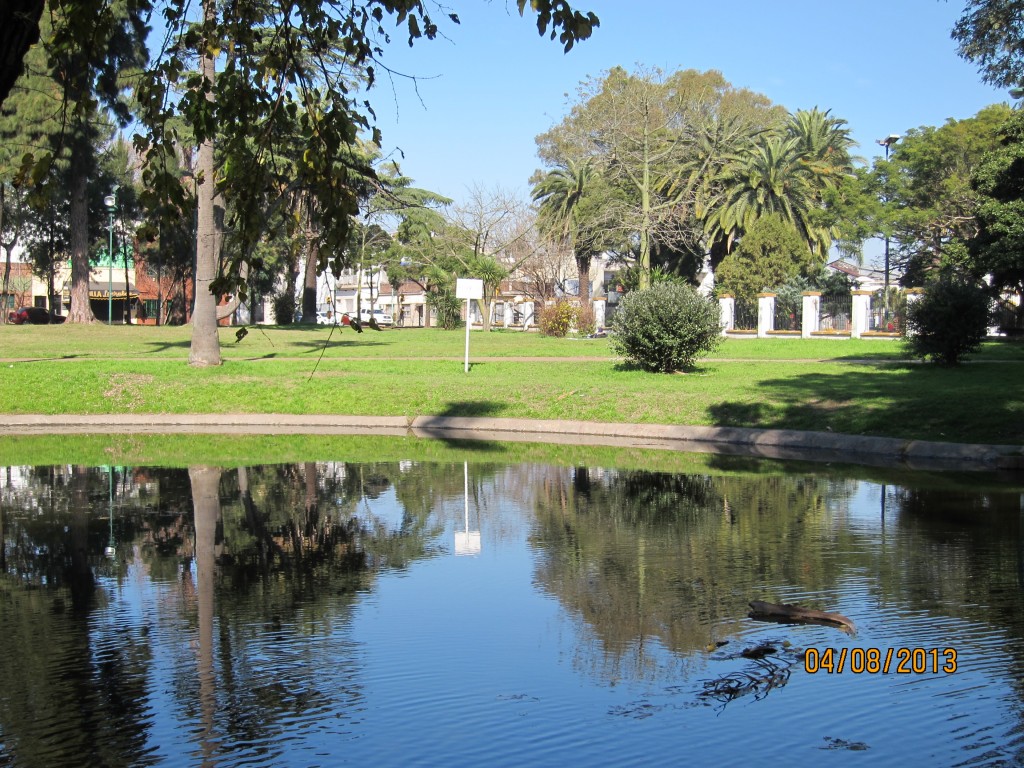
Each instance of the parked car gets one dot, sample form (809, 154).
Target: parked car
(326, 318)
(34, 316)
(382, 317)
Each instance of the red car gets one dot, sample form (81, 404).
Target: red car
(33, 316)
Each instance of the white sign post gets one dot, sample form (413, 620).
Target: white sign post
(468, 288)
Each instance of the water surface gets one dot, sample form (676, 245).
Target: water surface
(424, 613)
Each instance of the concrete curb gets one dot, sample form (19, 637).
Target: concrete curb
(766, 443)
(164, 423)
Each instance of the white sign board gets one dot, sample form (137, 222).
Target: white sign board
(469, 288)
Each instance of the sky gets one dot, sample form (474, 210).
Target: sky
(483, 94)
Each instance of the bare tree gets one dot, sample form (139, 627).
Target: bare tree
(488, 233)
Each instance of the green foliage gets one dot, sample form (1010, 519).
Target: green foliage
(949, 321)
(770, 254)
(284, 308)
(666, 327)
(989, 34)
(930, 204)
(998, 247)
(557, 319)
(789, 298)
(656, 143)
(447, 306)
(629, 278)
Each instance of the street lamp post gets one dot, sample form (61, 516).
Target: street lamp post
(111, 202)
(887, 142)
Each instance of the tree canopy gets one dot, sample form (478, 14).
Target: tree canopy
(990, 33)
(273, 95)
(997, 249)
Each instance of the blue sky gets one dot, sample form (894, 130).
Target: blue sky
(494, 84)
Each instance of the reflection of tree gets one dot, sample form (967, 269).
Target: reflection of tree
(74, 681)
(206, 500)
(281, 554)
(643, 556)
(957, 549)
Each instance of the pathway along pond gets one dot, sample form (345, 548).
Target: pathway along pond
(457, 614)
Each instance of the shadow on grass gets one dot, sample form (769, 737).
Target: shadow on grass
(473, 408)
(624, 366)
(461, 439)
(897, 357)
(50, 359)
(972, 404)
(162, 346)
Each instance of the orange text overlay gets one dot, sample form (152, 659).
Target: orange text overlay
(880, 661)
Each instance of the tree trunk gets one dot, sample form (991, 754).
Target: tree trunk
(7, 284)
(127, 300)
(205, 350)
(80, 311)
(583, 268)
(486, 312)
(309, 277)
(7, 265)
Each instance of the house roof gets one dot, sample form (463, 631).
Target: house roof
(844, 266)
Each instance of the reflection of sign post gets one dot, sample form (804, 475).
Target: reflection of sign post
(468, 289)
(467, 542)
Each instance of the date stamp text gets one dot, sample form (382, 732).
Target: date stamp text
(880, 661)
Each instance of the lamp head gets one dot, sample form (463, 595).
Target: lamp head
(111, 200)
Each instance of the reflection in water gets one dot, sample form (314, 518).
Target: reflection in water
(467, 542)
(294, 614)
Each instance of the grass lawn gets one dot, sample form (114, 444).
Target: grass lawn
(855, 386)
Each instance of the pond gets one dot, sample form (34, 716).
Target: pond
(482, 611)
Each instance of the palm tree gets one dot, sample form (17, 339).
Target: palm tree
(773, 178)
(563, 194)
(824, 142)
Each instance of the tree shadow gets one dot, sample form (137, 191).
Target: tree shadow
(163, 346)
(467, 439)
(624, 366)
(929, 402)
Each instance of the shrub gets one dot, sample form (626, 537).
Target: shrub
(448, 308)
(948, 321)
(585, 322)
(284, 308)
(556, 319)
(666, 327)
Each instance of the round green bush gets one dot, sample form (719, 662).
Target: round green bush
(949, 321)
(666, 327)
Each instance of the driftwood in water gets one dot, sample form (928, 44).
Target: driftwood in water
(787, 613)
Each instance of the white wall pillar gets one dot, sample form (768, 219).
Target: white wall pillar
(527, 310)
(727, 306)
(811, 313)
(600, 305)
(861, 319)
(765, 314)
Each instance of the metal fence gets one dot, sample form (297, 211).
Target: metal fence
(746, 316)
(789, 315)
(835, 312)
(1008, 318)
(889, 316)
